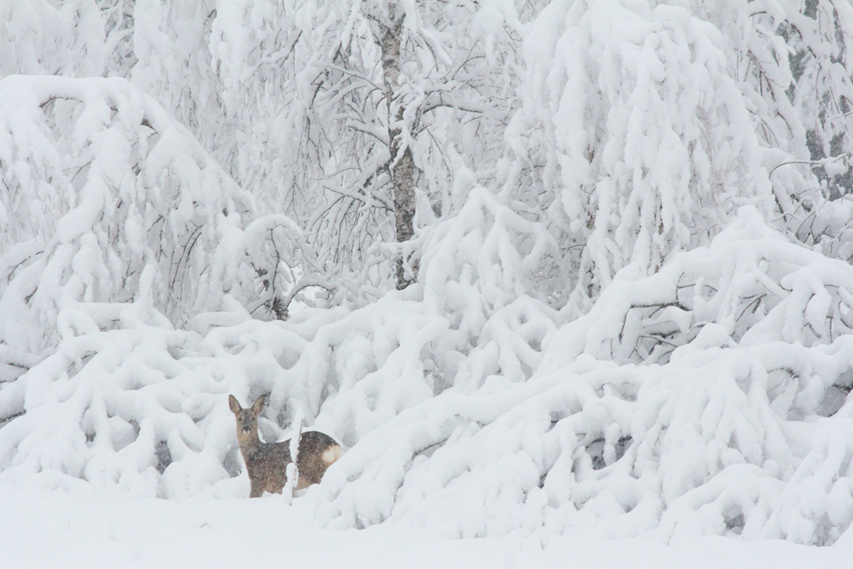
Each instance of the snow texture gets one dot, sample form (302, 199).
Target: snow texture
(632, 314)
(106, 199)
(709, 398)
(112, 530)
(641, 133)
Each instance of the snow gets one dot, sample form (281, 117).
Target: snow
(114, 530)
(629, 340)
(627, 421)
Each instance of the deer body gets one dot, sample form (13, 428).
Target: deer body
(267, 462)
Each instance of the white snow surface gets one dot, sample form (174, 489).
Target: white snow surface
(50, 529)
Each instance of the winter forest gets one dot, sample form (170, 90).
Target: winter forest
(539, 266)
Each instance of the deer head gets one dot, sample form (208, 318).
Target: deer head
(247, 419)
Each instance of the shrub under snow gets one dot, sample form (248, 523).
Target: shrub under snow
(708, 398)
(105, 198)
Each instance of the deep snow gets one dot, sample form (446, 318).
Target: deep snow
(40, 529)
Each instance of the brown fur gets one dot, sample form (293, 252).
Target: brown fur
(267, 462)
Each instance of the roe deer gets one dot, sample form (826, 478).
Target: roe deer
(267, 462)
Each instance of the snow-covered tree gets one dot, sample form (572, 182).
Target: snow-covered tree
(343, 116)
(792, 63)
(820, 36)
(360, 112)
(65, 38)
(709, 398)
(105, 199)
(636, 133)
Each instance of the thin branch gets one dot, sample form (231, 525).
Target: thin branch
(811, 162)
(302, 285)
(277, 57)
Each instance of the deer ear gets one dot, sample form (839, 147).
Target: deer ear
(234, 405)
(259, 405)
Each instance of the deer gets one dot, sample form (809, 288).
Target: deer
(267, 462)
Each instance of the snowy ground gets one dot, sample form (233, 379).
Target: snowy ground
(56, 529)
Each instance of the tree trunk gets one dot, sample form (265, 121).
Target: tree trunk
(404, 213)
(402, 163)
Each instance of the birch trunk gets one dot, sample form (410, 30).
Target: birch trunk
(402, 163)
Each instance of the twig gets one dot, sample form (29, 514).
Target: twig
(812, 162)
